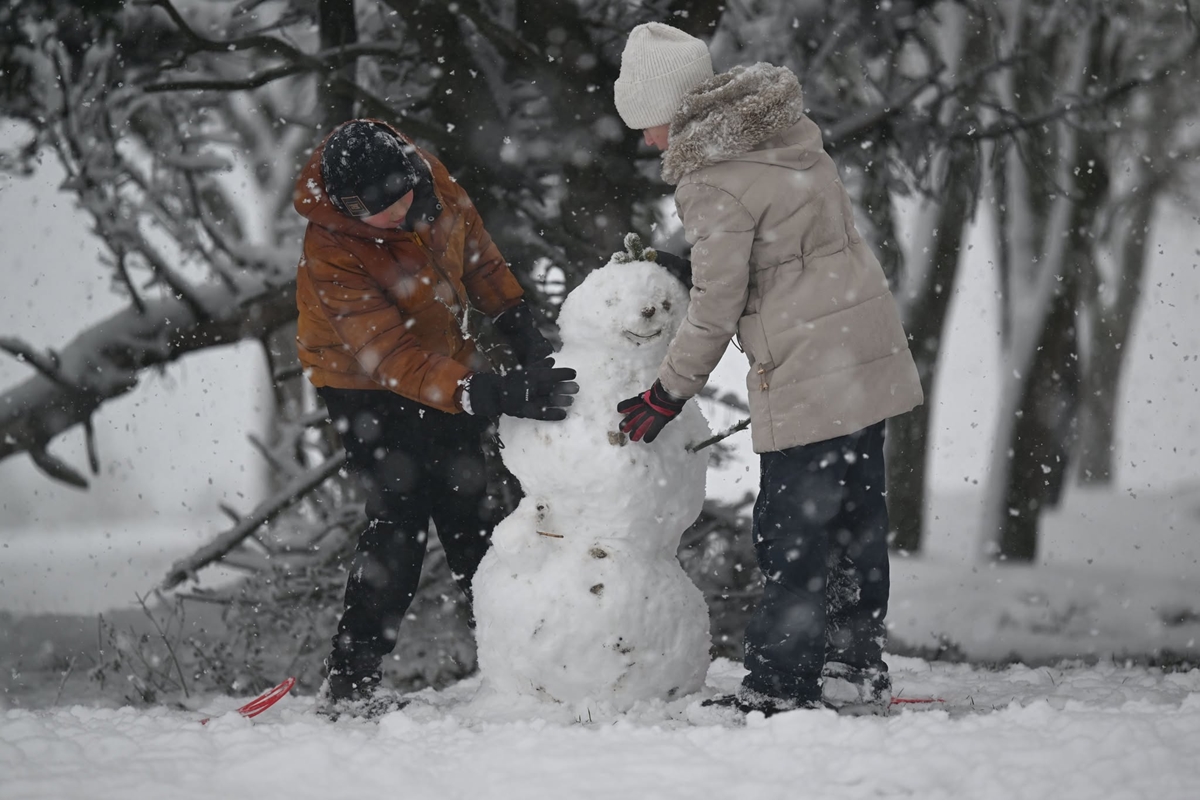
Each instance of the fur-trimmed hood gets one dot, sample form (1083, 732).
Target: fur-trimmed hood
(727, 115)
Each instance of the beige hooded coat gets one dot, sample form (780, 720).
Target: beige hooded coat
(777, 261)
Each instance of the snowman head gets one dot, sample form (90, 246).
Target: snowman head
(633, 308)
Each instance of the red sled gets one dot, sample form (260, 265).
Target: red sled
(901, 701)
(264, 701)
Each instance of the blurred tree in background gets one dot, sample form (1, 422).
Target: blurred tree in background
(182, 124)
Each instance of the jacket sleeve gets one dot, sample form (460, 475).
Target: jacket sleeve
(490, 284)
(375, 332)
(721, 232)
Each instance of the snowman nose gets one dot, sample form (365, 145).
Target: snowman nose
(648, 312)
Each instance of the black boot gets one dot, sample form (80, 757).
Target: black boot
(745, 701)
(356, 694)
(345, 684)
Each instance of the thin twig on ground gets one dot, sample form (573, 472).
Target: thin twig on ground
(166, 640)
(63, 682)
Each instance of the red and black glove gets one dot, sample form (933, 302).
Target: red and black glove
(648, 413)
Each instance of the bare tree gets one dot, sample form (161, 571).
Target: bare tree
(1146, 160)
(1051, 188)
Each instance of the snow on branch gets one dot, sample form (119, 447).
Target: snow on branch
(46, 363)
(196, 274)
(104, 361)
(294, 62)
(267, 44)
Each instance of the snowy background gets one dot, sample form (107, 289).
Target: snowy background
(1119, 575)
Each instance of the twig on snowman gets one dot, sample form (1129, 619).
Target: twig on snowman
(725, 434)
(551, 535)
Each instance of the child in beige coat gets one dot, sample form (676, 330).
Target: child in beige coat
(777, 262)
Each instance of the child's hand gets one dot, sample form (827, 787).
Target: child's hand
(646, 414)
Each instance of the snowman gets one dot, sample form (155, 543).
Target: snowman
(581, 599)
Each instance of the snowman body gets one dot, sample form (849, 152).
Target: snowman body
(581, 599)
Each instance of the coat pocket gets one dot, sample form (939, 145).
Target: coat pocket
(754, 343)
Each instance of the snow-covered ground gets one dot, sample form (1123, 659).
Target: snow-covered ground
(1075, 720)
(1066, 732)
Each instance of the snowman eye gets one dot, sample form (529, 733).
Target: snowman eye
(666, 305)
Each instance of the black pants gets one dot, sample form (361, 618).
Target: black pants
(414, 463)
(820, 534)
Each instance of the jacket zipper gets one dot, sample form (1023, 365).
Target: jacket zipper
(462, 301)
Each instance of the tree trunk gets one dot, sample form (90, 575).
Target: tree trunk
(927, 308)
(1045, 427)
(1046, 432)
(338, 29)
(925, 320)
(1110, 330)
(1112, 320)
(1039, 394)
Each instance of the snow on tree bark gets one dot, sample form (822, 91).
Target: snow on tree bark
(1030, 425)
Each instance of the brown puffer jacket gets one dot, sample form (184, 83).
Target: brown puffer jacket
(390, 309)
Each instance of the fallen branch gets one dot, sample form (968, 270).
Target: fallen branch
(266, 511)
(46, 363)
(105, 361)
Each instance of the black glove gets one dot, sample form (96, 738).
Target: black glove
(539, 391)
(648, 413)
(520, 328)
(678, 266)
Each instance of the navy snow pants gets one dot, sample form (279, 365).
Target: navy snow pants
(820, 534)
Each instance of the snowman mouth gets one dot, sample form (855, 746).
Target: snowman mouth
(639, 338)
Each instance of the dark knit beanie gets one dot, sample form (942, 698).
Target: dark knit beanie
(367, 168)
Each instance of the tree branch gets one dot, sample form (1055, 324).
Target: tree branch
(270, 508)
(103, 362)
(177, 283)
(1004, 129)
(268, 43)
(231, 84)
(47, 363)
(56, 468)
(872, 119)
(741, 425)
(123, 275)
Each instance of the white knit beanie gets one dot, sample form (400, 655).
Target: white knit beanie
(659, 66)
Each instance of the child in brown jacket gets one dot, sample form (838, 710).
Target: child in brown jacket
(396, 259)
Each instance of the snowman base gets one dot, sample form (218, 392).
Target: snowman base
(598, 622)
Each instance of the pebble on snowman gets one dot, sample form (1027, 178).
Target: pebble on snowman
(581, 599)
